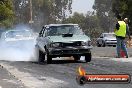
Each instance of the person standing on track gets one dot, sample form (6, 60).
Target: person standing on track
(127, 28)
(120, 32)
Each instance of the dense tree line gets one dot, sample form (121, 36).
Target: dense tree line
(88, 22)
(44, 11)
(107, 10)
(55, 11)
(104, 13)
(124, 8)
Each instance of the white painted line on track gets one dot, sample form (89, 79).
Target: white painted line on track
(122, 59)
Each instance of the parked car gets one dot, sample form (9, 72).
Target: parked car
(63, 40)
(106, 39)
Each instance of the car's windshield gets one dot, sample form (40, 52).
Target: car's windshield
(65, 29)
(109, 35)
(16, 34)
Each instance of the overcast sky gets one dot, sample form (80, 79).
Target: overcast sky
(82, 6)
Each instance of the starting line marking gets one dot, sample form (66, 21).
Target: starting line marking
(122, 59)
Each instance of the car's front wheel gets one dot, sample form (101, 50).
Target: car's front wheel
(48, 57)
(103, 44)
(114, 45)
(88, 57)
(98, 45)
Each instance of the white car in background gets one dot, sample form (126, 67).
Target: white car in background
(16, 37)
(106, 39)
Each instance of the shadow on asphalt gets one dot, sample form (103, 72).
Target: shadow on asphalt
(60, 62)
(65, 61)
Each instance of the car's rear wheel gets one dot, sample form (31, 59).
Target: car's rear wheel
(88, 57)
(41, 57)
(49, 58)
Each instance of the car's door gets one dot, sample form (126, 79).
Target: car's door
(40, 39)
(44, 40)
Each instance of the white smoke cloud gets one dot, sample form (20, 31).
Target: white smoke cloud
(20, 50)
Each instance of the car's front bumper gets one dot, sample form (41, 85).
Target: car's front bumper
(110, 42)
(70, 50)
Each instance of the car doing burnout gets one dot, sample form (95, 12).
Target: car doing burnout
(62, 40)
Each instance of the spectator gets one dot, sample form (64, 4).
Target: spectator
(120, 32)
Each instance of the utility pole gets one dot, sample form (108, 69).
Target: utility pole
(31, 14)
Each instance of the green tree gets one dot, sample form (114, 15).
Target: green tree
(44, 11)
(124, 8)
(6, 13)
(77, 18)
(88, 22)
(104, 13)
(51, 11)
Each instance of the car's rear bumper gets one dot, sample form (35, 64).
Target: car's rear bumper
(69, 51)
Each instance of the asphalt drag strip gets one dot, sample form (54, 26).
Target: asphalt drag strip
(30, 81)
(7, 80)
(62, 74)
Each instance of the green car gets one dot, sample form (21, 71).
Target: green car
(62, 40)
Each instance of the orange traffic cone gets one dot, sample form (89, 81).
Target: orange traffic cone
(122, 53)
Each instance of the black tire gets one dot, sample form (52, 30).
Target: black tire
(76, 57)
(114, 45)
(103, 44)
(49, 58)
(41, 57)
(88, 57)
(98, 45)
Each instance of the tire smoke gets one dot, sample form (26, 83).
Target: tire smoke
(19, 50)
